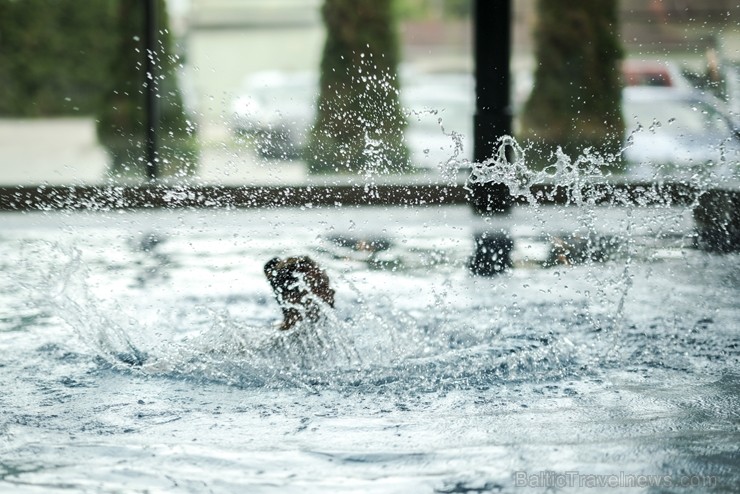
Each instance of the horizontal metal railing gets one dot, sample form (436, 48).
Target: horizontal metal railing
(716, 211)
(173, 196)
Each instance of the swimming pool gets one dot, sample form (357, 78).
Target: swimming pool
(141, 354)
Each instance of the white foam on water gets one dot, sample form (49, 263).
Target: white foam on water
(160, 367)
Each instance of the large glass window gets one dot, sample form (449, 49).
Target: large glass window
(238, 85)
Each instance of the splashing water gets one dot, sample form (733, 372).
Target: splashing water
(145, 360)
(360, 349)
(509, 166)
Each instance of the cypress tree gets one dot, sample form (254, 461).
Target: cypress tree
(359, 124)
(576, 99)
(122, 119)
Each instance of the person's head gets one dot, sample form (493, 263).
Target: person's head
(298, 283)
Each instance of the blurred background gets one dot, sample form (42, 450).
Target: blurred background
(239, 84)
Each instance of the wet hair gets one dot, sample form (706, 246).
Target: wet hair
(300, 287)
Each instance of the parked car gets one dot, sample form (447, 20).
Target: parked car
(278, 109)
(677, 133)
(653, 74)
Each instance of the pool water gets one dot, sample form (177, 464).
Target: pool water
(141, 355)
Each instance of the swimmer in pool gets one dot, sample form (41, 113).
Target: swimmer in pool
(299, 283)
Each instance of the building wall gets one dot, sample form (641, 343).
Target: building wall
(229, 40)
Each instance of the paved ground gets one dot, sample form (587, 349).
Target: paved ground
(52, 151)
(62, 151)
(228, 161)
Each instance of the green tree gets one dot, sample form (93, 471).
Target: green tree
(458, 8)
(122, 119)
(576, 99)
(425, 9)
(53, 56)
(359, 123)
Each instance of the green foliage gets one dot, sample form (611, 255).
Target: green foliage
(458, 8)
(426, 9)
(122, 120)
(66, 57)
(576, 99)
(359, 123)
(53, 56)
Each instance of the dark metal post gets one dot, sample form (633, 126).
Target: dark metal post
(492, 253)
(152, 106)
(492, 46)
(717, 220)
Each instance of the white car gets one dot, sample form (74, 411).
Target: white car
(678, 133)
(278, 109)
